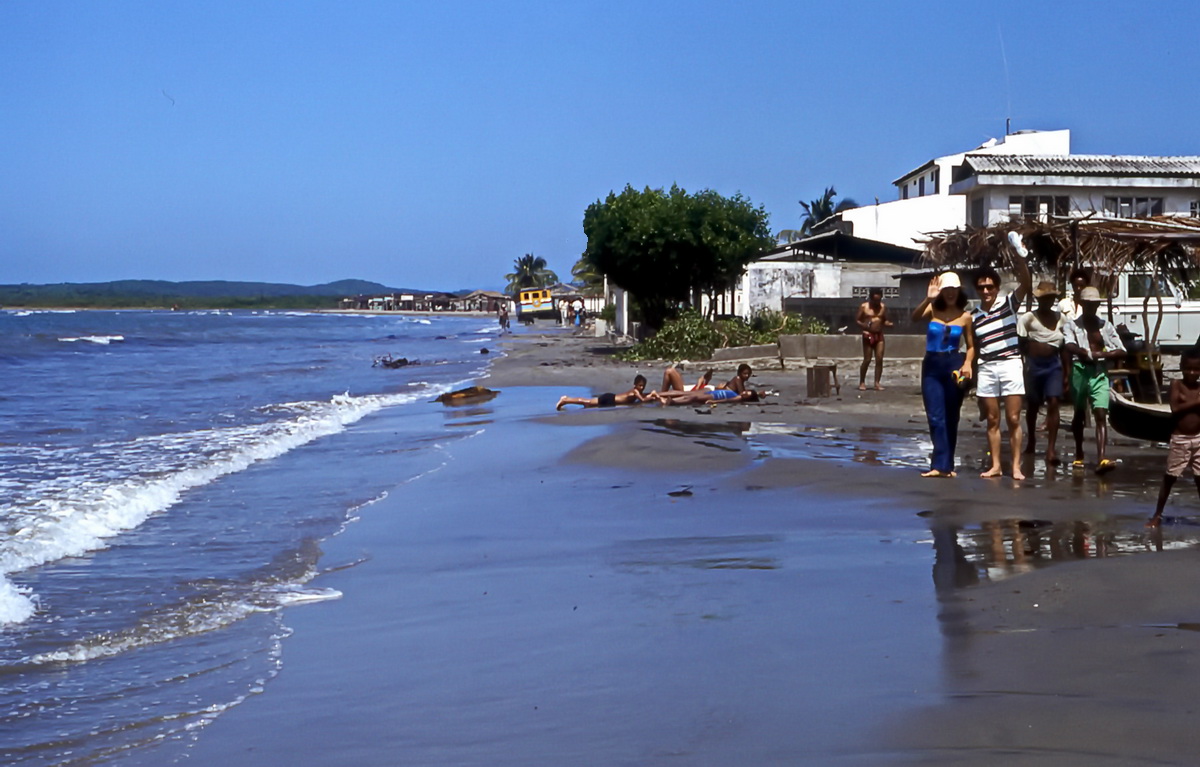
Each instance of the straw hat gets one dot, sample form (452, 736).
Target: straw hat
(1045, 288)
(949, 280)
(1090, 295)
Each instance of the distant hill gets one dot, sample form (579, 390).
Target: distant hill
(215, 293)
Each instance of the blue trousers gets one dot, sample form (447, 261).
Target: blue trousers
(943, 402)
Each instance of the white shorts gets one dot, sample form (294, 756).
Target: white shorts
(1000, 378)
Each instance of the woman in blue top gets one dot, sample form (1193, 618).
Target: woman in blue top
(944, 366)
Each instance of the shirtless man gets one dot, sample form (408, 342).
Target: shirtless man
(872, 318)
(634, 396)
(1091, 342)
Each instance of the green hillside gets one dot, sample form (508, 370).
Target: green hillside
(196, 294)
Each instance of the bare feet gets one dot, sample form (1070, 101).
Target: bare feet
(991, 473)
(562, 402)
(878, 387)
(1017, 473)
(862, 387)
(932, 473)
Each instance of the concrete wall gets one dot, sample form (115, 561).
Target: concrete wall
(820, 347)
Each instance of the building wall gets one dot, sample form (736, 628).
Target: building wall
(902, 222)
(995, 199)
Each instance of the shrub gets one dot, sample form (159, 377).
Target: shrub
(692, 337)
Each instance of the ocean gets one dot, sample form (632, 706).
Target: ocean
(166, 482)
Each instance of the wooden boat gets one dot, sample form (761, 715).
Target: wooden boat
(1139, 420)
(472, 395)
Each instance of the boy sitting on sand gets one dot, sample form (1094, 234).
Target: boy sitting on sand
(1184, 452)
(632, 397)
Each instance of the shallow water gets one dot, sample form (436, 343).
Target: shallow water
(170, 480)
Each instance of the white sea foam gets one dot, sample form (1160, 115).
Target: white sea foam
(66, 516)
(104, 340)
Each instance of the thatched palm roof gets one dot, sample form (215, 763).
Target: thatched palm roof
(1159, 245)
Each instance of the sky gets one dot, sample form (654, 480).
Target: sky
(429, 145)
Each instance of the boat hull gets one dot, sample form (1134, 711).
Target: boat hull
(1139, 420)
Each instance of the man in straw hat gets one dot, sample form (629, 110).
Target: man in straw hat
(999, 374)
(1091, 341)
(1041, 332)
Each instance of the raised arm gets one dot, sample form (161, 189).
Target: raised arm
(1021, 267)
(925, 308)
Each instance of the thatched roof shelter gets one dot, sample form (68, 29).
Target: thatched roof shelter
(1162, 245)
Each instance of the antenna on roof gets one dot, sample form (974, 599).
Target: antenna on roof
(1007, 85)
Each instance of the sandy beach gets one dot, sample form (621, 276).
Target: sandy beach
(764, 583)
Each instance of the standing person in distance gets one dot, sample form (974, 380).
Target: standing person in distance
(944, 368)
(1045, 371)
(1091, 341)
(872, 318)
(1000, 374)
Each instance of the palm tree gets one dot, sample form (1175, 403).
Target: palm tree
(530, 272)
(585, 272)
(822, 208)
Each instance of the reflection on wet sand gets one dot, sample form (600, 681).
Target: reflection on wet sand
(1001, 548)
(468, 415)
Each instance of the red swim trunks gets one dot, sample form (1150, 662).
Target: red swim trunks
(872, 339)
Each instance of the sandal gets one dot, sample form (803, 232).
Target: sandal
(1105, 466)
(1077, 464)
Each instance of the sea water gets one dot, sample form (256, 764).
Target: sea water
(166, 482)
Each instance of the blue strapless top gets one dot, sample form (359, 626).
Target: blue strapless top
(941, 338)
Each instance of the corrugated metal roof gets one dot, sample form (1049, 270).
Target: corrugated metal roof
(1083, 165)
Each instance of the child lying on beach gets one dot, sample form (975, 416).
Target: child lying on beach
(703, 397)
(632, 397)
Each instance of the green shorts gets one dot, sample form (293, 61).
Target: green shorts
(1089, 385)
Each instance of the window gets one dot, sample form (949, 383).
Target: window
(1039, 207)
(864, 291)
(977, 217)
(1139, 286)
(1195, 208)
(1132, 207)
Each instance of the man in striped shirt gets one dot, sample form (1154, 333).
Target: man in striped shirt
(999, 373)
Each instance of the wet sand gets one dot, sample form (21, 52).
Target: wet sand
(747, 584)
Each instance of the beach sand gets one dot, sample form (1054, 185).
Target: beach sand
(749, 584)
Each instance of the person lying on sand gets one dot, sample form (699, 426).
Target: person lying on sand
(673, 380)
(704, 396)
(738, 382)
(632, 397)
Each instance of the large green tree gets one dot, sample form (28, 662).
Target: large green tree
(667, 248)
(529, 271)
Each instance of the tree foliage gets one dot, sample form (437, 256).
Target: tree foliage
(585, 273)
(669, 247)
(818, 210)
(529, 271)
(693, 337)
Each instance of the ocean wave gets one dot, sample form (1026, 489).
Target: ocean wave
(103, 340)
(79, 511)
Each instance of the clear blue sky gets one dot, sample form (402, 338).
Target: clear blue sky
(429, 144)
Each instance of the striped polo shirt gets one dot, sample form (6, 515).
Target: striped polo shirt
(996, 330)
